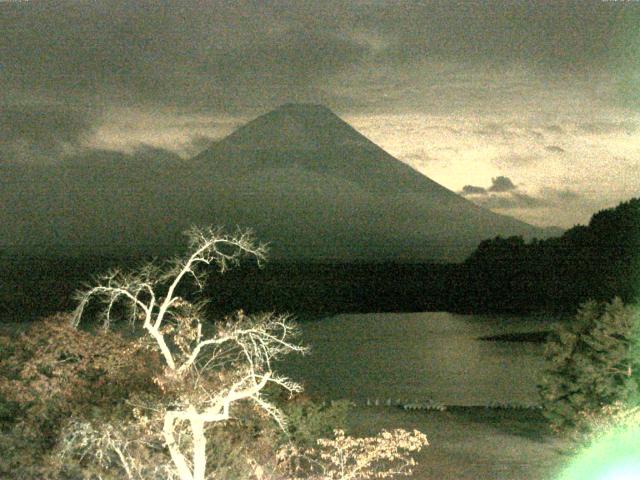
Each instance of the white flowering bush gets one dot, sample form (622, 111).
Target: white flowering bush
(105, 451)
(387, 455)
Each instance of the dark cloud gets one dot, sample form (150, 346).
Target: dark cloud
(505, 131)
(628, 127)
(420, 159)
(38, 132)
(473, 190)
(501, 184)
(246, 55)
(554, 149)
(503, 194)
(553, 128)
(510, 200)
(564, 194)
(211, 54)
(291, 55)
(48, 134)
(490, 129)
(569, 34)
(42, 124)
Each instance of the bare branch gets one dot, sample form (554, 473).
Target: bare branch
(244, 347)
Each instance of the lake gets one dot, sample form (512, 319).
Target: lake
(419, 356)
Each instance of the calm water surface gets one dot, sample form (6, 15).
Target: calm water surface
(415, 356)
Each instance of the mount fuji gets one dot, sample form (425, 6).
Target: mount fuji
(310, 183)
(303, 179)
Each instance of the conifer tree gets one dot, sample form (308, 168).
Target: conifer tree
(592, 362)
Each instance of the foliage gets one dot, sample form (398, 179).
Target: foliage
(134, 447)
(593, 363)
(101, 414)
(187, 399)
(598, 261)
(615, 416)
(308, 420)
(610, 448)
(386, 455)
(53, 372)
(111, 450)
(206, 374)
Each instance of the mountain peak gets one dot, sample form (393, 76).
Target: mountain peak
(312, 137)
(303, 126)
(303, 108)
(305, 180)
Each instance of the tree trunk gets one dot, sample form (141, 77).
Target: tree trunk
(199, 449)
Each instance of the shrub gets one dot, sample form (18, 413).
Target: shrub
(308, 420)
(592, 363)
(387, 455)
(53, 372)
(609, 418)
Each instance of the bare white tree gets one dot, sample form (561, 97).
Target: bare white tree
(206, 374)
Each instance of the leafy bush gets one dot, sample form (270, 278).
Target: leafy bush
(53, 372)
(592, 362)
(342, 457)
(610, 418)
(72, 402)
(308, 420)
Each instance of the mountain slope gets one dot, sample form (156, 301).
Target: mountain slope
(341, 187)
(315, 138)
(303, 179)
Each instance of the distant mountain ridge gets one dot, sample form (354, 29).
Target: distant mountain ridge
(306, 181)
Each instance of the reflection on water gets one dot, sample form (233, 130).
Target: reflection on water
(415, 356)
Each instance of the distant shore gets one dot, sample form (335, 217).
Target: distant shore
(531, 337)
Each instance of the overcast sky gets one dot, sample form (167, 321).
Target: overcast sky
(529, 108)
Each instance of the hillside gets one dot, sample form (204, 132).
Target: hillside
(317, 188)
(596, 261)
(302, 178)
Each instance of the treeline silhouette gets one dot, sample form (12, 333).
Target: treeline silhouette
(34, 286)
(598, 261)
